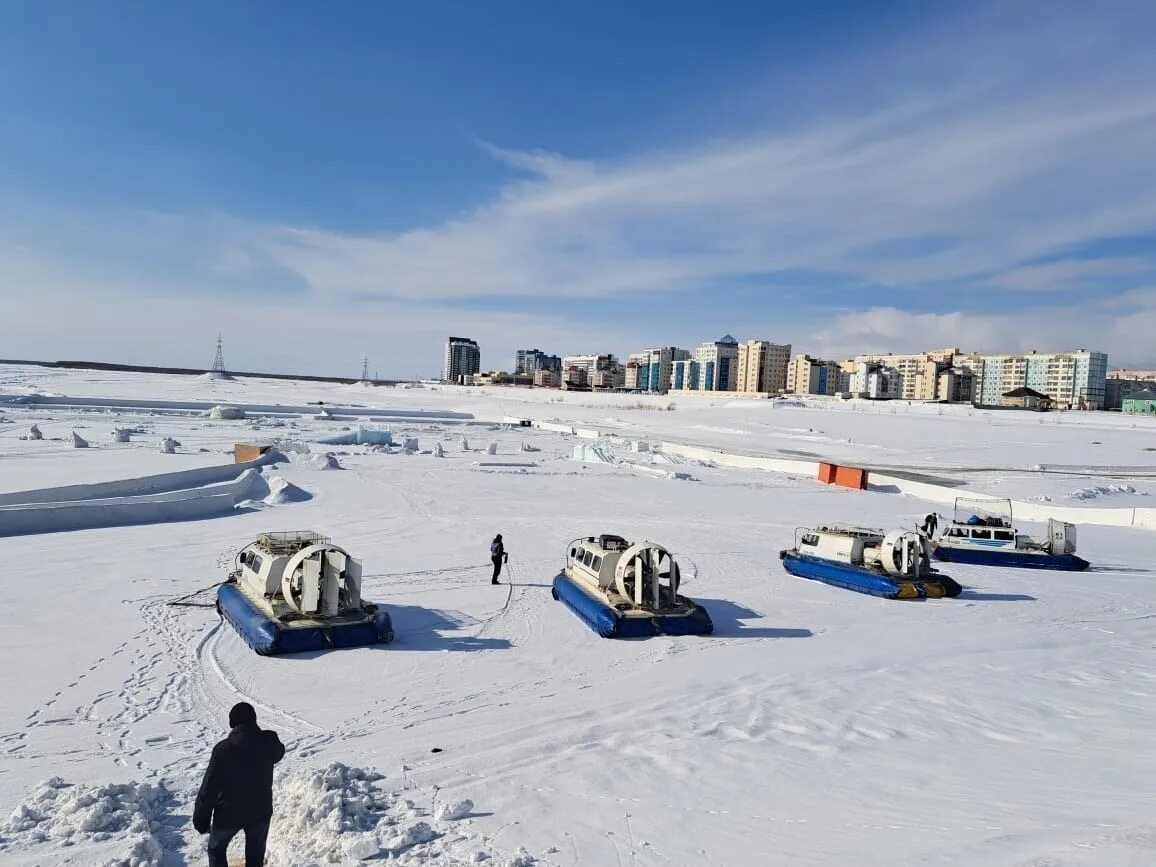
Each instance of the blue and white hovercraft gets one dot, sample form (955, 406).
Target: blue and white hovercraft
(295, 592)
(626, 589)
(892, 565)
(982, 533)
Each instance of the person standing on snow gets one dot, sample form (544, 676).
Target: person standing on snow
(498, 556)
(237, 791)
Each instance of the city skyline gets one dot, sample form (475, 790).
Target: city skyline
(574, 176)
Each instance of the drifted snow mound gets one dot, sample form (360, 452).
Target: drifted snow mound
(226, 412)
(320, 462)
(340, 814)
(282, 492)
(169, 446)
(77, 441)
(216, 374)
(129, 817)
(1103, 491)
(35, 434)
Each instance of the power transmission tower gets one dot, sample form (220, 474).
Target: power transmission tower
(219, 361)
(365, 369)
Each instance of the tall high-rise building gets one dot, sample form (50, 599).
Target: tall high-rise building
(463, 359)
(762, 367)
(1073, 380)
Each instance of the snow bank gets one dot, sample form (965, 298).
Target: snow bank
(58, 815)
(121, 434)
(1097, 491)
(190, 504)
(77, 441)
(341, 814)
(180, 480)
(230, 413)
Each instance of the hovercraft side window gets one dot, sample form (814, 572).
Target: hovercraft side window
(810, 539)
(253, 561)
(981, 534)
(586, 558)
(596, 564)
(1005, 535)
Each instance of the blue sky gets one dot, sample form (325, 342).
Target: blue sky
(579, 177)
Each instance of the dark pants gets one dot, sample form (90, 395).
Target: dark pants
(254, 844)
(497, 561)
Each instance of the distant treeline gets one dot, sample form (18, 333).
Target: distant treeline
(187, 371)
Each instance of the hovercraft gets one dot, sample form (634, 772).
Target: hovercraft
(624, 589)
(893, 565)
(987, 537)
(295, 592)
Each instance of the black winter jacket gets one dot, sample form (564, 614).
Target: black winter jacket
(238, 787)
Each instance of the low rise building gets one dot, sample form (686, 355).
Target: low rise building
(1141, 401)
(574, 378)
(547, 378)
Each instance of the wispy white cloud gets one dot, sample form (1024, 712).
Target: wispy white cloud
(1018, 168)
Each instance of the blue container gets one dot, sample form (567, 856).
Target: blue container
(1013, 559)
(270, 638)
(864, 580)
(608, 623)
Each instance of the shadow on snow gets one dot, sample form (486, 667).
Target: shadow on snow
(728, 620)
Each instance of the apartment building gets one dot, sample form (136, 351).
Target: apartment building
(807, 375)
(763, 367)
(918, 372)
(650, 370)
(1073, 380)
(717, 365)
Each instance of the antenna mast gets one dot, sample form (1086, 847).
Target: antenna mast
(219, 361)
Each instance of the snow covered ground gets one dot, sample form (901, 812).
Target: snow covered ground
(1010, 726)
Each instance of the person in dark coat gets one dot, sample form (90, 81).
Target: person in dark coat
(237, 791)
(930, 523)
(498, 556)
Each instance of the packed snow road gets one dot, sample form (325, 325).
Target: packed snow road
(816, 726)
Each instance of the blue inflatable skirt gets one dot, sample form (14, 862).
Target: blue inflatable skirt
(609, 623)
(269, 637)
